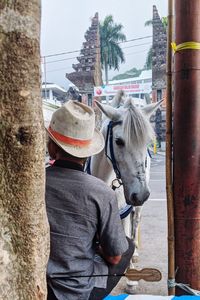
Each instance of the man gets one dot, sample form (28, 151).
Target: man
(82, 212)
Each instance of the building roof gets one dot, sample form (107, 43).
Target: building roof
(146, 74)
(54, 87)
(48, 110)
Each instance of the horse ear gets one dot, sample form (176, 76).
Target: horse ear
(149, 109)
(110, 112)
(118, 99)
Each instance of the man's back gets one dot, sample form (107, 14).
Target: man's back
(79, 208)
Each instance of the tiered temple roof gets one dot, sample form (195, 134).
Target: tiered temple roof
(159, 52)
(87, 72)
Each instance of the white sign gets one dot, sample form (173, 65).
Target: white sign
(136, 88)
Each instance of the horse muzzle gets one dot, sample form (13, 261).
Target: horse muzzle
(138, 199)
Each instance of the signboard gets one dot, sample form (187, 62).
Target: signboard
(111, 90)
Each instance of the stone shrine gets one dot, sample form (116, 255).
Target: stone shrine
(159, 56)
(87, 72)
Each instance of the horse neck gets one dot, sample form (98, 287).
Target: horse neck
(101, 168)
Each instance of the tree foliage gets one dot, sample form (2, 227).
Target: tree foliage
(148, 63)
(164, 22)
(134, 72)
(110, 36)
(148, 23)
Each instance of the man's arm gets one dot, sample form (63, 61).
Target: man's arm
(111, 234)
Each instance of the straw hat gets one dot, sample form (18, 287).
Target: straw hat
(72, 128)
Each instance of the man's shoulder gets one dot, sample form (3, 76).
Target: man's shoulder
(88, 184)
(98, 183)
(82, 177)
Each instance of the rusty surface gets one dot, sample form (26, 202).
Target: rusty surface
(169, 177)
(187, 146)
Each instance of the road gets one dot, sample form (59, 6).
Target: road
(153, 236)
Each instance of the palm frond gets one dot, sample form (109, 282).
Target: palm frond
(110, 36)
(148, 23)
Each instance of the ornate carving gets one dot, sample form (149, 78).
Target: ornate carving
(159, 52)
(88, 69)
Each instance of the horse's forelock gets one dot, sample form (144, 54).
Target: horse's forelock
(137, 128)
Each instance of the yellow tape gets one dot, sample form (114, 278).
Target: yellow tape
(184, 46)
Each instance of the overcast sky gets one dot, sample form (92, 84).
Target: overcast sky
(64, 23)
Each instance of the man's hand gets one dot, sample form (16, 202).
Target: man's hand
(113, 260)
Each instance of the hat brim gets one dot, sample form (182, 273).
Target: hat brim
(96, 145)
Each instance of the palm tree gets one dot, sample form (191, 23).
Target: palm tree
(148, 63)
(165, 22)
(148, 23)
(110, 37)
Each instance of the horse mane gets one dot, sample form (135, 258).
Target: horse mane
(137, 129)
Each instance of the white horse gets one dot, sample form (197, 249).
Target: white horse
(127, 131)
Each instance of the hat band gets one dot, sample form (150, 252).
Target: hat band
(69, 140)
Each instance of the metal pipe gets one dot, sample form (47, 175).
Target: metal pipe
(45, 79)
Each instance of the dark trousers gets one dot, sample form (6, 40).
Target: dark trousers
(98, 293)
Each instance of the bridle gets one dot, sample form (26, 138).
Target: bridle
(117, 182)
(109, 146)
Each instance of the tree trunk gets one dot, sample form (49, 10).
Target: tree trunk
(24, 238)
(106, 79)
(106, 73)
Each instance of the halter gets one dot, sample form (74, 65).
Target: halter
(109, 143)
(124, 212)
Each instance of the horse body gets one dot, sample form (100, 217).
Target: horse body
(131, 132)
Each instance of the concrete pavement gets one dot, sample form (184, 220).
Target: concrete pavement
(153, 236)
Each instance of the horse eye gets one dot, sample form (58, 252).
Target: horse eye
(119, 142)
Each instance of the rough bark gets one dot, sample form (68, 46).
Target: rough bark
(24, 239)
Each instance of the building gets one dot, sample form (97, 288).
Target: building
(53, 93)
(52, 98)
(136, 87)
(48, 110)
(87, 72)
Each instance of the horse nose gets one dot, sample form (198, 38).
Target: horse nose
(138, 199)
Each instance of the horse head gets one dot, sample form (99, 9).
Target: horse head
(130, 132)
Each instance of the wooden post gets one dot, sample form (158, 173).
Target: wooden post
(169, 183)
(186, 142)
